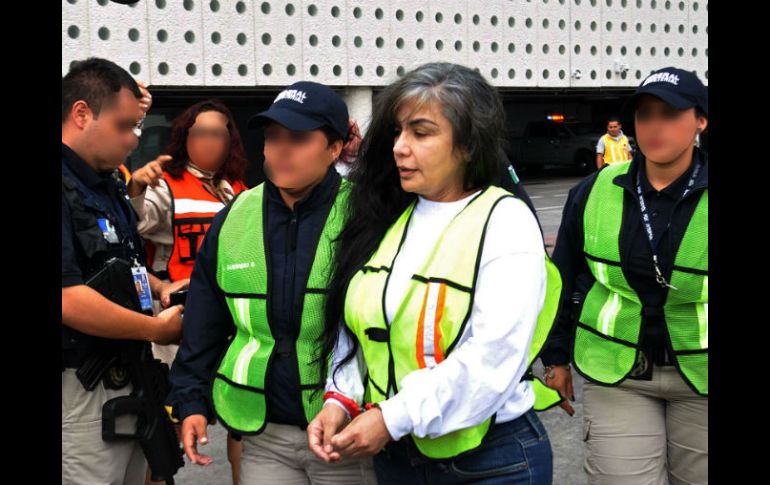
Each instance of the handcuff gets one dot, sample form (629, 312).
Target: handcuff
(350, 405)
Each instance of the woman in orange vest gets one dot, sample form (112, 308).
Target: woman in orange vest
(177, 195)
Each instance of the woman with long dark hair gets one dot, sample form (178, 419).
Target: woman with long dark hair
(443, 287)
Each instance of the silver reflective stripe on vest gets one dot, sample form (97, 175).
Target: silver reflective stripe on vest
(244, 317)
(609, 314)
(244, 357)
(184, 206)
(601, 270)
(703, 315)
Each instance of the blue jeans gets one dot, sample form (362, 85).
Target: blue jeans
(517, 452)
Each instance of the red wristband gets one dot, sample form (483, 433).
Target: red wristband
(350, 405)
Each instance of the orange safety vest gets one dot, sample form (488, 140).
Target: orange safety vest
(193, 209)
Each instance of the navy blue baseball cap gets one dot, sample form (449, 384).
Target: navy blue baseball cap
(306, 106)
(676, 87)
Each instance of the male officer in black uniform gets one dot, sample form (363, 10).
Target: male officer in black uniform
(100, 113)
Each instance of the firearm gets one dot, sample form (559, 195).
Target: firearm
(153, 430)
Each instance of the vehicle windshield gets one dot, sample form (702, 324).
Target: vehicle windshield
(582, 128)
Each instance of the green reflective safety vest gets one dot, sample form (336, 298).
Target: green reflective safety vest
(238, 390)
(433, 313)
(607, 334)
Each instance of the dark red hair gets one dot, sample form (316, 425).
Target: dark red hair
(234, 168)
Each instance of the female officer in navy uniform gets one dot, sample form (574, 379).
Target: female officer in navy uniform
(634, 243)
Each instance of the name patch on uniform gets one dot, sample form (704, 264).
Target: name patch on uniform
(234, 266)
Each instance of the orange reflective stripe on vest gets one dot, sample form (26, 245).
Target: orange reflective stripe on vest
(428, 327)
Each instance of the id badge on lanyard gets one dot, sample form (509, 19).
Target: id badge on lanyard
(142, 283)
(648, 224)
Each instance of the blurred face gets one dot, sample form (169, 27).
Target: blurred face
(664, 133)
(613, 128)
(108, 140)
(427, 162)
(208, 140)
(296, 160)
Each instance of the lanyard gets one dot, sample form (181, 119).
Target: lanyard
(648, 226)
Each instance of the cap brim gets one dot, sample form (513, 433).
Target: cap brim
(672, 99)
(289, 119)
